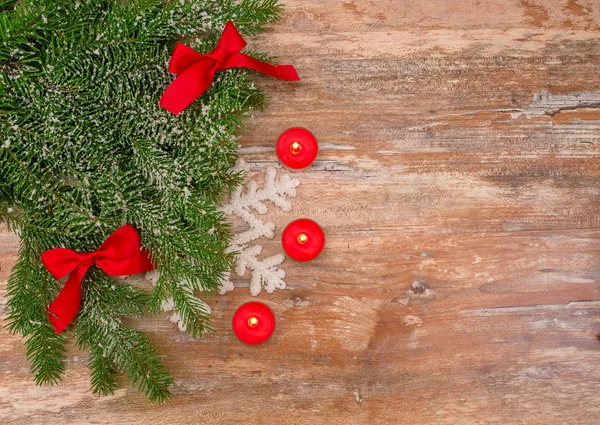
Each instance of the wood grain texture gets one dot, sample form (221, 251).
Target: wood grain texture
(458, 186)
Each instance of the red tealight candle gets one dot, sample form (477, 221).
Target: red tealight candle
(253, 323)
(303, 239)
(297, 148)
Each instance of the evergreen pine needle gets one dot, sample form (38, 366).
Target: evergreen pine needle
(85, 148)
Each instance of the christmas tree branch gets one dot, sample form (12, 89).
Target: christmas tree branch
(46, 352)
(30, 291)
(103, 371)
(85, 147)
(116, 347)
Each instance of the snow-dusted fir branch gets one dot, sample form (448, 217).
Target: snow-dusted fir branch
(248, 205)
(85, 147)
(168, 305)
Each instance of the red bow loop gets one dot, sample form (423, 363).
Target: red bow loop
(120, 254)
(195, 72)
(60, 261)
(182, 58)
(231, 42)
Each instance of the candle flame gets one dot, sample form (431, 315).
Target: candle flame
(253, 321)
(302, 238)
(295, 148)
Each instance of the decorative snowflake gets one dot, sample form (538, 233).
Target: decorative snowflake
(248, 205)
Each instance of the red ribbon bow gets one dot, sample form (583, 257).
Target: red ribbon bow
(120, 254)
(195, 72)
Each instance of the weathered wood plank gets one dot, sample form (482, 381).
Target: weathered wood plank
(458, 187)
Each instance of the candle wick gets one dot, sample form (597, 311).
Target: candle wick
(295, 148)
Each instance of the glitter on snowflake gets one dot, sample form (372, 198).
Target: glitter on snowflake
(248, 204)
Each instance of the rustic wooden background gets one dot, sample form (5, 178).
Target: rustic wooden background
(458, 186)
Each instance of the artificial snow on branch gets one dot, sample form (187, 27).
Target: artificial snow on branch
(168, 305)
(249, 205)
(85, 148)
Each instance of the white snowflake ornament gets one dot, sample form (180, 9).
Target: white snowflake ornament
(248, 205)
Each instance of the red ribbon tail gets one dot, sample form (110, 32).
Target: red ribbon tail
(282, 72)
(64, 308)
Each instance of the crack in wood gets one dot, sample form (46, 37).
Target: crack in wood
(489, 311)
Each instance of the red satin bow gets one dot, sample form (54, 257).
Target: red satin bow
(120, 254)
(195, 72)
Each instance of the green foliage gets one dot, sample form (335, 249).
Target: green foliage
(85, 148)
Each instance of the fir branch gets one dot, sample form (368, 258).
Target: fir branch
(30, 291)
(103, 371)
(85, 147)
(115, 347)
(192, 312)
(46, 353)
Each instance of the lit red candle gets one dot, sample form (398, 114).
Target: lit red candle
(303, 239)
(253, 323)
(297, 148)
